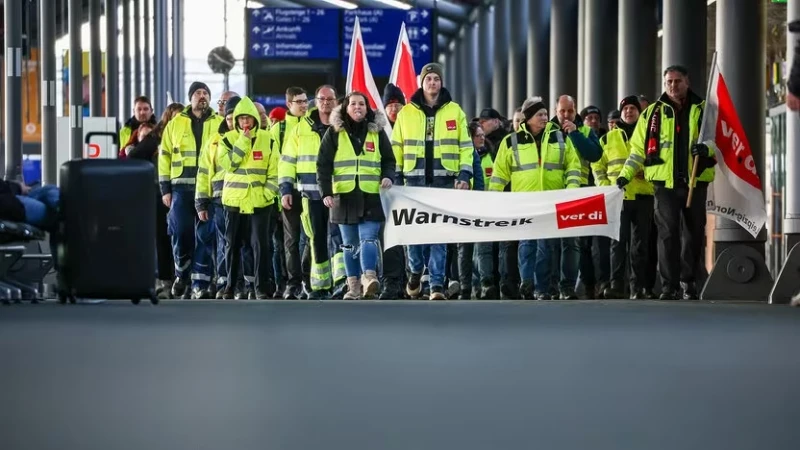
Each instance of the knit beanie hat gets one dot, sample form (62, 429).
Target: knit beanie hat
(393, 94)
(431, 68)
(198, 85)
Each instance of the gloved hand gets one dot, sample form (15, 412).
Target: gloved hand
(622, 182)
(700, 150)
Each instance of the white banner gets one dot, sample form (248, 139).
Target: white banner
(417, 215)
(736, 191)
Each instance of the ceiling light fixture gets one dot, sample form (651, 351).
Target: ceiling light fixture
(396, 4)
(342, 4)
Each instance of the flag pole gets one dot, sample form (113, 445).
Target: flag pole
(696, 162)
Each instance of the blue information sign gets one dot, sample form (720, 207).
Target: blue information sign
(294, 33)
(380, 29)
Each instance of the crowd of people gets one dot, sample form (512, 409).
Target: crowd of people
(287, 205)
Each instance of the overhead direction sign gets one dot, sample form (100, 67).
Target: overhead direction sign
(380, 28)
(294, 33)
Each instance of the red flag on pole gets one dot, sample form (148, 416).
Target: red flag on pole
(403, 74)
(359, 75)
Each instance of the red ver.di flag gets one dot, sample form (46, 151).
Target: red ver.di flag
(736, 191)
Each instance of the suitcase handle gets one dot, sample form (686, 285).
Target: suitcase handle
(88, 139)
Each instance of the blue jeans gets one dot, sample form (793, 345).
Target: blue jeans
(436, 261)
(570, 260)
(181, 225)
(360, 241)
(528, 263)
(217, 215)
(40, 205)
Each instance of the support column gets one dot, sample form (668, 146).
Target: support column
(160, 60)
(500, 56)
(786, 283)
(486, 44)
(137, 48)
(581, 101)
(517, 64)
(112, 60)
(457, 88)
(636, 48)
(600, 55)
(13, 88)
(791, 222)
(127, 71)
(469, 67)
(538, 48)
(75, 80)
(563, 64)
(95, 61)
(148, 66)
(177, 48)
(740, 271)
(47, 63)
(684, 39)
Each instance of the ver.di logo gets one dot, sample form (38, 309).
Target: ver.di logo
(582, 212)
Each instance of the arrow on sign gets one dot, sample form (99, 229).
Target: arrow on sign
(257, 29)
(424, 31)
(424, 48)
(424, 13)
(256, 13)
(256, 47)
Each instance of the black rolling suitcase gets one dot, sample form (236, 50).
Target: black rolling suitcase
(107, 230)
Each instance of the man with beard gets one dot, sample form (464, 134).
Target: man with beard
(637, 208)
(182, 141)
(142, 113)
(297, 171)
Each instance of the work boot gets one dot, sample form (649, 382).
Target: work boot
(591, 292)
(526, 291)
(508, 291)
(163, 289)
(612, 292)
(668, 294)
(566, 295)
(391, 289)
(465, 294)
(227, 293)
(199, 294)
(414, 286)
(489, 292)
(437, 293)
(689, 291)
(370, 283)
(220, 294)
(322, 294)
(178, 288)
(292, 293)
(353, 289)
(339, 289)
(453, 289)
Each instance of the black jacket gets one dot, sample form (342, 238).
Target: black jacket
(352, 207)
(10, 206)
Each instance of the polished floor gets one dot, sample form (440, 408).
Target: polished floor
(406, 375)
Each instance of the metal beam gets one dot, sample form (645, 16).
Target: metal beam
(13, 87)
(447, 27)
(95, 61)
(75, 79)
(112, 59)
(445, 9)
(47, 58)
(137, 48)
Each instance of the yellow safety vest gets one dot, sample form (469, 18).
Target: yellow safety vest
(366, 166)
(452, 146)
(298, 164)
(664, 172)
(178, 150)
(487, 165)
(282, 129)
(616, 150)
(250, 164)
(210, 175)
(585, 165)
(556, 167)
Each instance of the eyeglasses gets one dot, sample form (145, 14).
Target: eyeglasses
(325, 100)
(300, 102)
(221, 102)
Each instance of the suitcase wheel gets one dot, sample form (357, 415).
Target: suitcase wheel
(136, 301)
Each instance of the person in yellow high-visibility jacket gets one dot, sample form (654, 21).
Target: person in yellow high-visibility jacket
(637, 209)
(181, 142)
(431, 141)
(249, 192)
(664, 145)
(537, 157)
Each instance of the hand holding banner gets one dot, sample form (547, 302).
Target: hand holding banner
(417, 215)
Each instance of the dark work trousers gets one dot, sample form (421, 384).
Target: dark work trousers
(166, 265)
(317, 249)
(634, 234)
(241, 229)
(292, 227)
(677, 260)
(652, 258)
(278, 253)
(595, 266)
(452, 262)
(509, 269)
(466, 269)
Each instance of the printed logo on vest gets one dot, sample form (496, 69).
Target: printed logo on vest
(451, 125)
(488, 171)
(582, 212)
(370, 146)
(258, 156)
